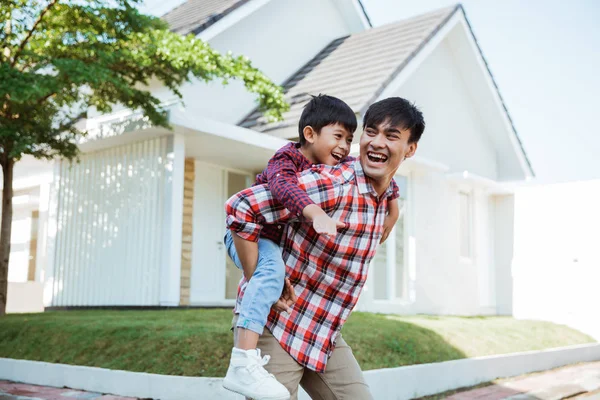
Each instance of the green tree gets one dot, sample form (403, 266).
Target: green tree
(60, 57)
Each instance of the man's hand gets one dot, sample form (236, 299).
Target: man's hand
(388, 225)
(287, 299)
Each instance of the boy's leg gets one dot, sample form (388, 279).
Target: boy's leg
(231, 250)
(243, 253)
(263, 289)
(247, 252)
(342, 379)
(246, 374)
(286, 370)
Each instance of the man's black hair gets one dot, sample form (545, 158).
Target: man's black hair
(399, 112)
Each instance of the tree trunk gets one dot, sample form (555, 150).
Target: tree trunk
(5, 230)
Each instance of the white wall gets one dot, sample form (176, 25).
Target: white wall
(503, 251)
(20, 245)
(557, 258)
(278, 38)
(445, 282)
(109, 228)
(25, 297)
(454, 134)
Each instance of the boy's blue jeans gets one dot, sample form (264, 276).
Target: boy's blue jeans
(265, 287)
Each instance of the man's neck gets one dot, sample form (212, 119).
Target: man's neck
(380, 186)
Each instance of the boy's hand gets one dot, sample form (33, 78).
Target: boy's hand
(325, 225)
(388, 225)
(287, 299)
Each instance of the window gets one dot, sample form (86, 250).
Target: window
(466, 225)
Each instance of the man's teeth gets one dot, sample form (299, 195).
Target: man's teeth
(377, 156)
(337, 156)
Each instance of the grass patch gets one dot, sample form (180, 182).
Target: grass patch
(198, 342)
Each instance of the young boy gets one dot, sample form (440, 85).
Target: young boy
(326, 131)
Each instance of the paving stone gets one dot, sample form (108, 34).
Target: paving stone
(558, 392)
(595, 395)
(82, 395)
(523, 396)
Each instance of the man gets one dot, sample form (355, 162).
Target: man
(327, 274)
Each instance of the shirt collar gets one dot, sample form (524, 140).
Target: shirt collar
(364, 186)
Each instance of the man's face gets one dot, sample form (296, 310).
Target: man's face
(382, 149)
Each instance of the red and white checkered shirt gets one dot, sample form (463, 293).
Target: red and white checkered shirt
(327, 274)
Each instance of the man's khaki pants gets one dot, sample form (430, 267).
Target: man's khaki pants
(342, 379)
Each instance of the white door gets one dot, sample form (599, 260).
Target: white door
(208, 256)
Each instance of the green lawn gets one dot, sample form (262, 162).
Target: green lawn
(197, 342)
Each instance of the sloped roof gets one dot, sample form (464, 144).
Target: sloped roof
(356, 68)
(194, 16)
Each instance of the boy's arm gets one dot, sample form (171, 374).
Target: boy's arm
(248, 210)
(282, 175)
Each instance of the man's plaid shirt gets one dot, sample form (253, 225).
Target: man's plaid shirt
(327, 274)
(281, 175)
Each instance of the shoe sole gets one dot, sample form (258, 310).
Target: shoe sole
(238, 390)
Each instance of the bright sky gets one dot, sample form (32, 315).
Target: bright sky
(545, 57)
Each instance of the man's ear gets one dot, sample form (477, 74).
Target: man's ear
(309, 134)
(412, 148)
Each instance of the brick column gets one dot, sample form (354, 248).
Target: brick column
(186, 233)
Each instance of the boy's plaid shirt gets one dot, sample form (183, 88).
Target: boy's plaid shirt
(327, 274)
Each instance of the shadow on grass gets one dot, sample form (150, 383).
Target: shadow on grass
(379, 341)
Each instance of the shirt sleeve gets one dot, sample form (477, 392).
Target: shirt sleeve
(247, 211)
(282, 178)
(395, 191)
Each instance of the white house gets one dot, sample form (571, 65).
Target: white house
(140, 221)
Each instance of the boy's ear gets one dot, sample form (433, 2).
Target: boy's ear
(309, 134)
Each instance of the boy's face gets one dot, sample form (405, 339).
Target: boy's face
(382, 149)
(332, 144)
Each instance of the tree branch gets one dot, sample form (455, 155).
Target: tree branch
(42, 99)
(30, 33)
(69, 124)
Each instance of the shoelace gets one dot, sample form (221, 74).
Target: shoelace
(260, 363)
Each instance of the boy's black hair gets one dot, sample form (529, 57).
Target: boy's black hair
(400, 112)
(323, 110)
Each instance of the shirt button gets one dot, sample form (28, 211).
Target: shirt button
(278, 226)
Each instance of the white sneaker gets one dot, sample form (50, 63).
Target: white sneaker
(247, 377)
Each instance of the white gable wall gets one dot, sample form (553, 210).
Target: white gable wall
(455, 135)
(278, 38)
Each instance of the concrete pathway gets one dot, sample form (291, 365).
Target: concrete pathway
(580, 381)
(21, 391)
